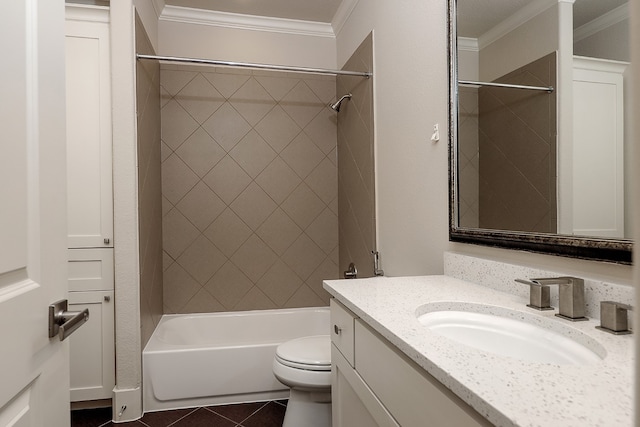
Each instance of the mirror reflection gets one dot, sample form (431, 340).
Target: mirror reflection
(541, 117)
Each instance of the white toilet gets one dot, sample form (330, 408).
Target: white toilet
(304, 364)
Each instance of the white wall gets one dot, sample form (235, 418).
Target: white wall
(634, 24)
(245, 45)
(125, 200)
(410, 96)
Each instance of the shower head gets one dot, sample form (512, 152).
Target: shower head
(336, 106)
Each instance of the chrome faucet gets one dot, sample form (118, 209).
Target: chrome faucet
(570, 296)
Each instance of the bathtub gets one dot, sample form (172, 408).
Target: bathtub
(220, 358)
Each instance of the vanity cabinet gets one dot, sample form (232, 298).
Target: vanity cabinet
(90, 200)
(384, 387)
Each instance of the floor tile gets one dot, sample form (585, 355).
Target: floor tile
(165, 418)
(237, 413)
(204, 418)
(90, 417)
(127, 424)
(270, 415)
(258, 414)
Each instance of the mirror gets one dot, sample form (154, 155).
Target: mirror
(538, 126)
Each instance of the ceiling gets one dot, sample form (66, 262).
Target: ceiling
(476, 17)
(305, 10)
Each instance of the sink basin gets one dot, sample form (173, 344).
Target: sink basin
(520, 339)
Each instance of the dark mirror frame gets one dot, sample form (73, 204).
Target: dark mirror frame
(612, 250)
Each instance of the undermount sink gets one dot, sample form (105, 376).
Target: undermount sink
(504, 335)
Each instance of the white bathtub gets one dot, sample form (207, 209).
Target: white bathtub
(219, 358)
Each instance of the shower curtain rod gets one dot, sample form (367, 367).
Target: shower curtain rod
(365, 74)
(542, 88)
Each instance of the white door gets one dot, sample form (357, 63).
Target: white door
(34, 370)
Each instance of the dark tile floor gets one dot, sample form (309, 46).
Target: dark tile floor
(260, 414)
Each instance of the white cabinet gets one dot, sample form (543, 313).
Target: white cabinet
(89, 144)
(596, 205)
(91, 347)
(384, 387)
(90, 200)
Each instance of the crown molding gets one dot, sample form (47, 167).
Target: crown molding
(158, 7)
(342, 15)
(603, 22)
(86, 13)
(523, 15)
(245, 22)
(468, 44)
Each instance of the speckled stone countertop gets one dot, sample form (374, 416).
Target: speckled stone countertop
(507, 391)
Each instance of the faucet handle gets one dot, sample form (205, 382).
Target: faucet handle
(613, 317)
(539, 295)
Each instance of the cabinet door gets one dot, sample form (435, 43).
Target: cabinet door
(89, 145)
(353, 403)
(91, 347)
(410, 394)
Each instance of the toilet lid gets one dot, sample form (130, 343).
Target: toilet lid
(311, 353)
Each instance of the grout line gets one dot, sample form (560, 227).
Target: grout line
(182, 418)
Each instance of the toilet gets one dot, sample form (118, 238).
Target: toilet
(304, 365)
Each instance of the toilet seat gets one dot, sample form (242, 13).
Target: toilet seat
(308, 353)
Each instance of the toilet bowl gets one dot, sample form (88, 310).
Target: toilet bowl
(304, 365)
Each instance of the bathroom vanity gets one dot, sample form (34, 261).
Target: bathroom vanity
(390, 369)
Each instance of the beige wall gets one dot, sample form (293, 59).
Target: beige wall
(410, 96)
(148, 12)
(149, 191)
(233, 44)
(249, 186)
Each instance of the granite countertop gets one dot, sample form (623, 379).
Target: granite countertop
(507, 391)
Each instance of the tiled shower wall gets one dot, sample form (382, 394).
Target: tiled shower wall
(149, 195)
(249, 186)
(356, 181)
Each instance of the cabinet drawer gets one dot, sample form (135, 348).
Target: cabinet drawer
(90, 269)
(342, 330)
(410, 394)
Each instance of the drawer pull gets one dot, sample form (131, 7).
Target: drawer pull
(337, 330)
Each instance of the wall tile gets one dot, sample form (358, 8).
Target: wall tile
(253, 154)
(227, 179)
(228, 232)
(177, 124)
(229, 285)
(250, 196)
(199, 99)
(279, 231)
(201, 260)
(200, 152)
(226, 126)
(302, 155)
(201, 206)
